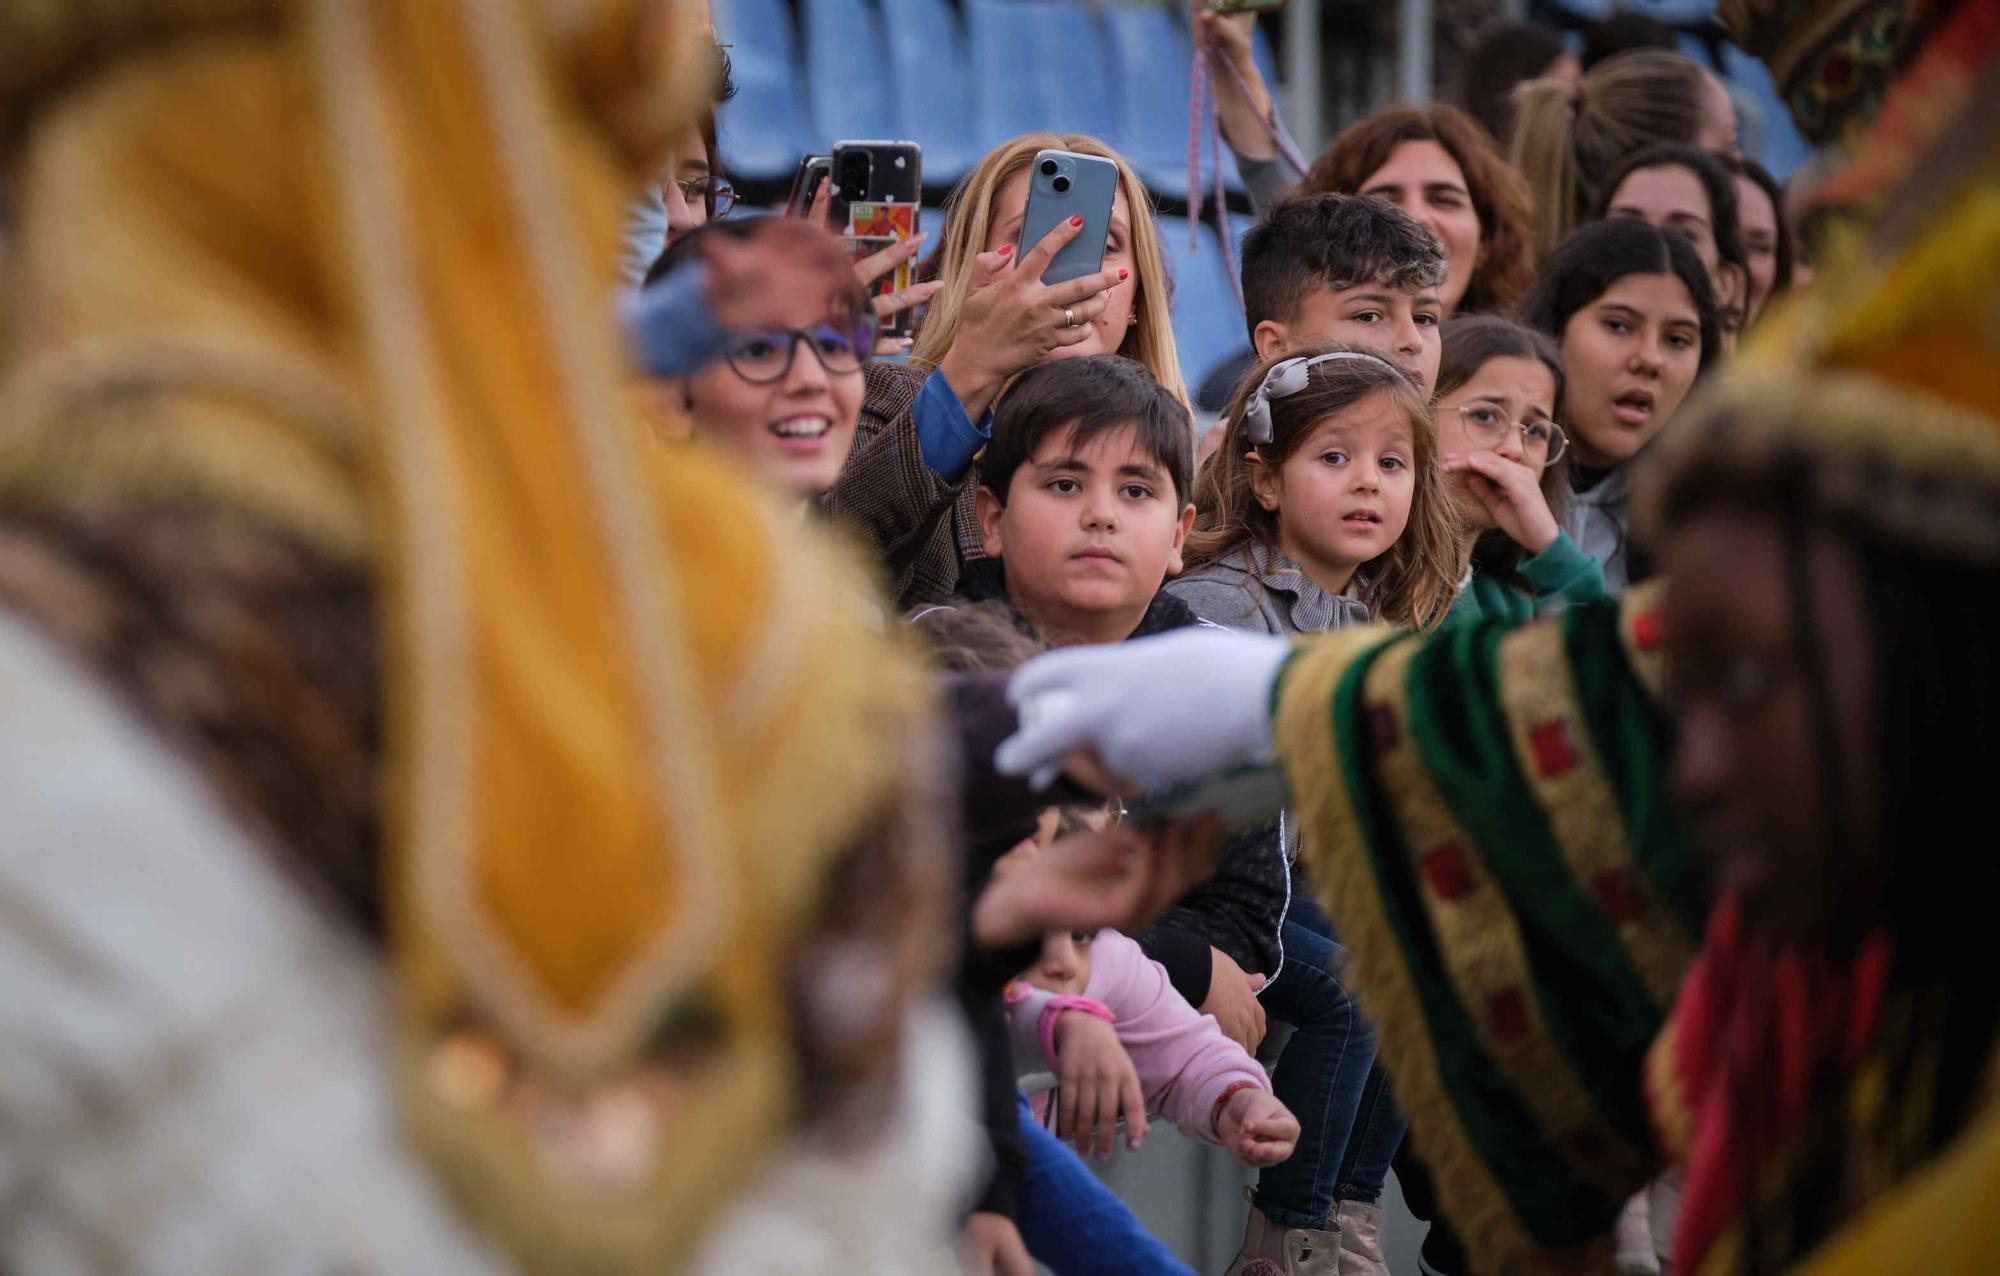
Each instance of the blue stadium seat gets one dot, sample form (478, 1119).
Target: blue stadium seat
(930, 75)
(1208, 324)
(1151, 58)
(762, 131)
(1041, 68)
(846, 55)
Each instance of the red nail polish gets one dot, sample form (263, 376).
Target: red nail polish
(1122, 274)
(1076, 221)
(1005, 249)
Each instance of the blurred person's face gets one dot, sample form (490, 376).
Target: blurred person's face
(795, 431)
(1759, 219)
(1088, 532)
(1343, 495)
(1402, 327)
(1717, 134)
(1629, 358)
(1064, 966)
(1747, 757)
(1505, 389)
(1003, 227)
(1423, 180)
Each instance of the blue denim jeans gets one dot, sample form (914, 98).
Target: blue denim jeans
(1076, 1226)
(1349, 1126)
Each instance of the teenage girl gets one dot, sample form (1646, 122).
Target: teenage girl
(1630, 309)
(1505, 462)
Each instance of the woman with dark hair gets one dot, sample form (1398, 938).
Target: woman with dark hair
(1506, 55)
(1767, 234)
(1434, 163)
(1684, 189)
(1630, 307)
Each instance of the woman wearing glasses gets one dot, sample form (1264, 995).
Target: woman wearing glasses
(769, 317)
(1500, 388)
(690, 192)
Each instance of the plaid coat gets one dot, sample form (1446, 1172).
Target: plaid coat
(921, 527)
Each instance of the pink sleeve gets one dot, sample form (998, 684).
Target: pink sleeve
(1184, 1061)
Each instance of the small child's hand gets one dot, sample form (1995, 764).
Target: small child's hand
(1256, 1129)
(1510, 492)
(1096, 1079)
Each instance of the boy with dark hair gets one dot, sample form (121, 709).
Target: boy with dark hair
(1086, 495)
(1345, 268)
(1086, 498)
(1085, 502)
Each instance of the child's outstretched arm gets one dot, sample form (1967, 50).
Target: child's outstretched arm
(1096, 1081)
(1185, 1063)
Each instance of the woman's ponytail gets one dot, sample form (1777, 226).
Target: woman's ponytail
(1544, 150)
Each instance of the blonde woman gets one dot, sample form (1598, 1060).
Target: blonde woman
(904, 485)
(1570, 138)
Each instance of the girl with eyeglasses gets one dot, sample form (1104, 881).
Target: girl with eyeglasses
(782, 383)
(1500, 389)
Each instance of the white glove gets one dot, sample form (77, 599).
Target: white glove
(1158, 711)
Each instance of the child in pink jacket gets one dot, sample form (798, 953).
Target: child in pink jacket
(1102, 1016)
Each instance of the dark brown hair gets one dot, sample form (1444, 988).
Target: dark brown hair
(1506, 260)
(1087, 397)
(1329, 240)
(1415, 581)
(1470, 344)
(1600, 254)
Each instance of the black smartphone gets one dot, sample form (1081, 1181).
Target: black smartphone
(873, 173)
(877, 191)
(806, 179)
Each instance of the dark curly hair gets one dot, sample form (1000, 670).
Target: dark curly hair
(1332, 241)
(1506, 259)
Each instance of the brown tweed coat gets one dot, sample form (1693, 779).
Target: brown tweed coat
(922, 527)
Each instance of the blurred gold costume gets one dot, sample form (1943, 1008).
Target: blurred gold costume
(313, 450)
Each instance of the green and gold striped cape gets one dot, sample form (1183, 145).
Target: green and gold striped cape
(1484, 809)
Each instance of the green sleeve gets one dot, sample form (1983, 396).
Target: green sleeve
(1564, 571)
(1484, 811)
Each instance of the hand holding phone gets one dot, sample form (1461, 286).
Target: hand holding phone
(809, 185)
(1010, 320)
